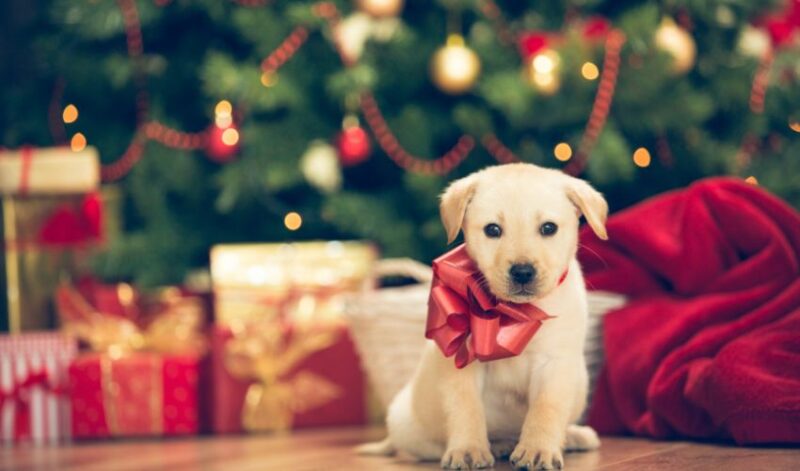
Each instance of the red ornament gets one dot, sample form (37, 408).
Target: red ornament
(353, 146)
(596, 28)
(223, 143)
(783, 27)
(531, 43)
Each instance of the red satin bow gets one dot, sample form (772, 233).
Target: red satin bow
(466, 320)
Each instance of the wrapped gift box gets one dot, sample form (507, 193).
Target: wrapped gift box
(33, 377)
(143, 367)
(53, 219)
(49, 171)
(282, 357)
(137, 394)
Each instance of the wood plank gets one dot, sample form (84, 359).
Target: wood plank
(332, 450)
(696, 457)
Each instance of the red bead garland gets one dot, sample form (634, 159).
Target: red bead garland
(602, 102)
(597, 118)
(758, 94)
(498, 150)
(144, 130)
(594, 29)
(287, 48)
(389, 143)
(758, 90)
(384, 136)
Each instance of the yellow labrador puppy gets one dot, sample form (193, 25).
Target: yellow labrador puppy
(520, 226)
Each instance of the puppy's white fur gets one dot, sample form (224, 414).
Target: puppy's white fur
(525, 405)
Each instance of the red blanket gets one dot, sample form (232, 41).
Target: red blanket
(709, 346)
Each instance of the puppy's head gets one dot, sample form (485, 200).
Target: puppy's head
(520, 225)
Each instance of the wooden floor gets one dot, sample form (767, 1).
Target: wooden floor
(331, 449)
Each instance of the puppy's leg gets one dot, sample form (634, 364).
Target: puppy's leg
(381, 448)
(581, 438)
(407, 433)
(550, 399)
(467, 438)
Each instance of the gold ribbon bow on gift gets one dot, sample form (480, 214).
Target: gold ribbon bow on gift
(267, 352)
(131, 357)
(176, 329)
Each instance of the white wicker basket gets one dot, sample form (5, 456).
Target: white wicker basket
(388, 326)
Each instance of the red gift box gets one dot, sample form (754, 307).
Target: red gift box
(322, 385)
(33, 375)
(142, 375)
(142, 394)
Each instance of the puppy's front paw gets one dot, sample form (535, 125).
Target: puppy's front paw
(535, 457)
(471, 457)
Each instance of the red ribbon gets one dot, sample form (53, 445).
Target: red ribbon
(68, 226)
(26, 155)
(20, 394)
(466, 320)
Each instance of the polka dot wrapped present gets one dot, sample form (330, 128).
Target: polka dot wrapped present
(141, 371)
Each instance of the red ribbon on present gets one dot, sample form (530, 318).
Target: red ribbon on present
(26, 153)
(20, 395)
(26, 157)
(466, 320)
(67, 226)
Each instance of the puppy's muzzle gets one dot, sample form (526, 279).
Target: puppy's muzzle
(522, 273)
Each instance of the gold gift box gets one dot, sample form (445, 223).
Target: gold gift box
(30, 269)
(300, 282)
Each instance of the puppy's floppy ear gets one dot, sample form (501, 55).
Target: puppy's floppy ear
(590, 203)
(453, 205)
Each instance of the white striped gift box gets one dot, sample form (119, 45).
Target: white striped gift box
(34, 405)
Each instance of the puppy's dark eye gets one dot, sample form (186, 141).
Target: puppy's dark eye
(492, 231)
(548, 229)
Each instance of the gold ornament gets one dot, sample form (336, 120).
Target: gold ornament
(678, 43)
(543, 71)
(455, 67)
(381, 8)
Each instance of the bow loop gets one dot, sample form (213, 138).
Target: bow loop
(466, 320)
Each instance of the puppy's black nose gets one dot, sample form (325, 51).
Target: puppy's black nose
(522, 273)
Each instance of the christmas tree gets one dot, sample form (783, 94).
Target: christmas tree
(258, 120)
